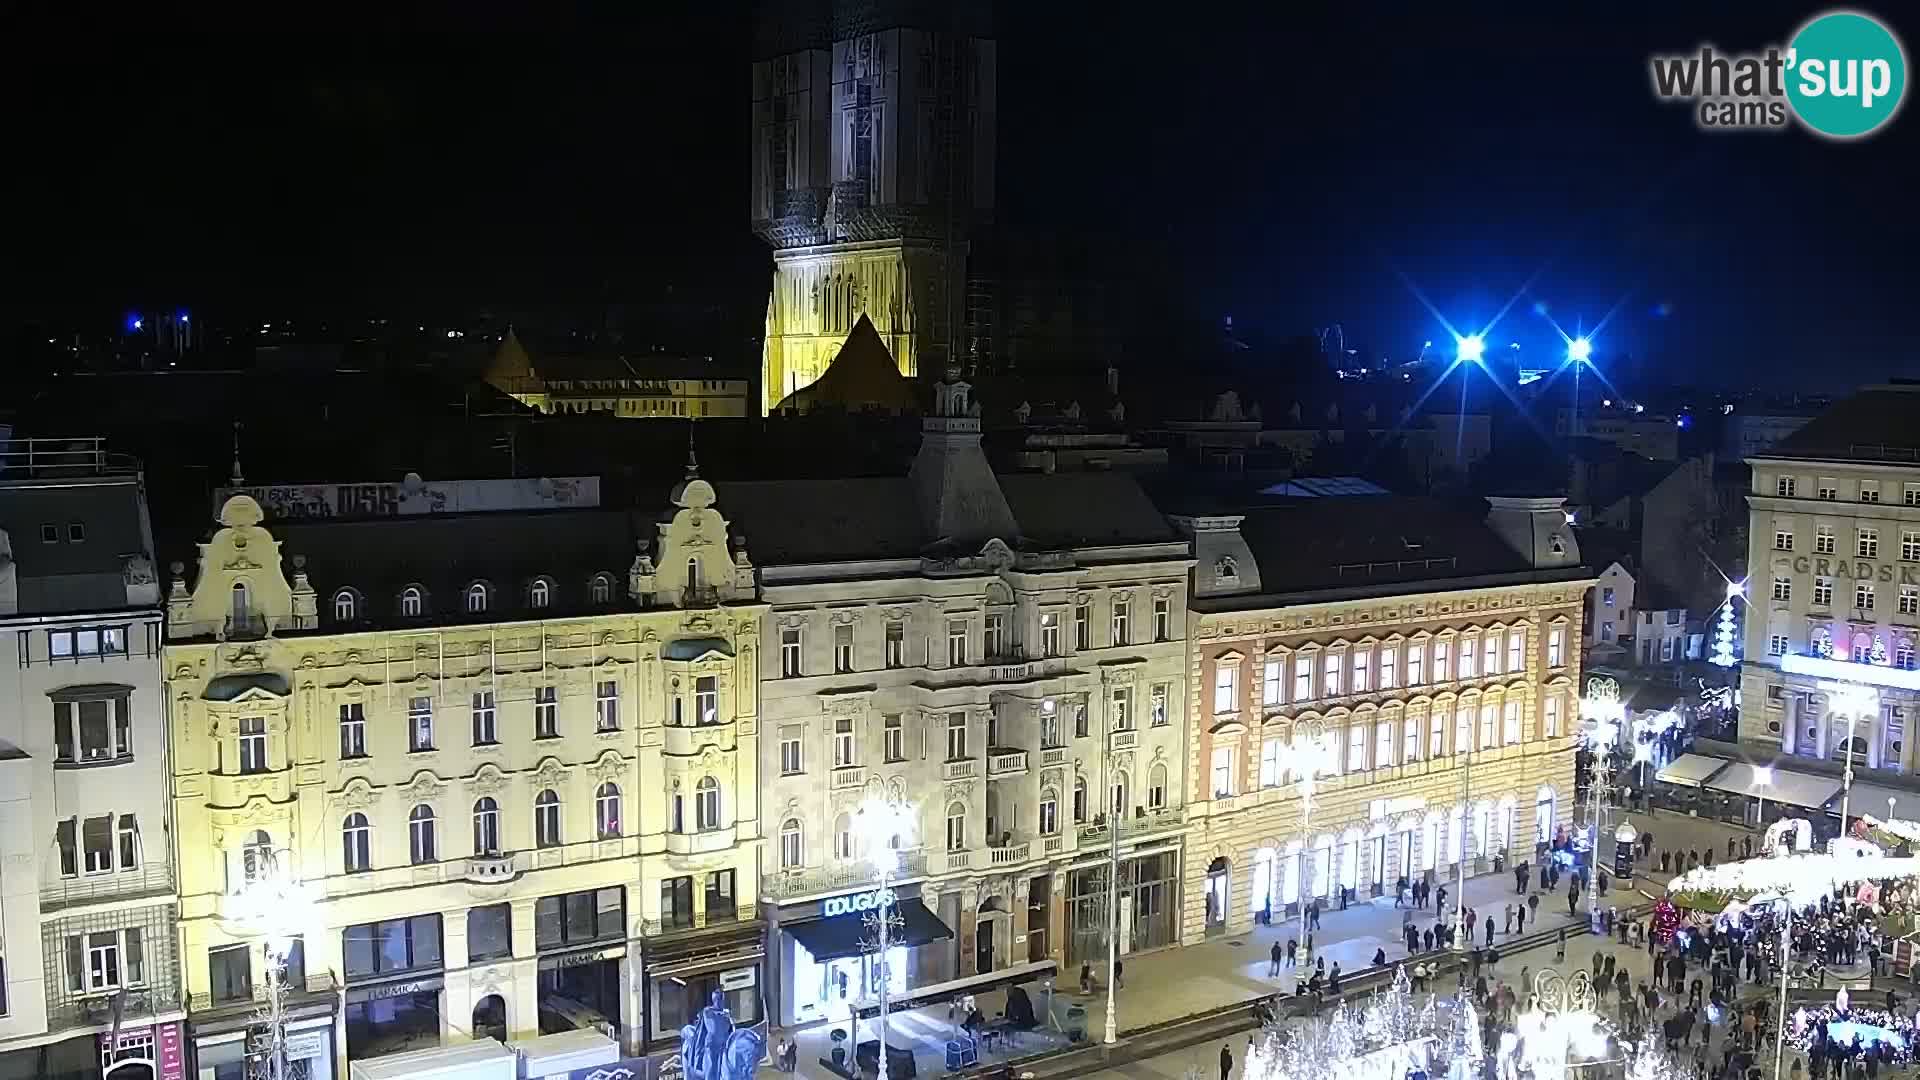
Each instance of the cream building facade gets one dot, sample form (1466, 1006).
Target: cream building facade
(1004, 655)
(1420, 662)
(513, 763)
(1832, 608)
(89, 974)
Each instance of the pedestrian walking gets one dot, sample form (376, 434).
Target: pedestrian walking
(1489, 931)
(1572, 898)
(1119, 974)
(1533, 906)
(1226, 1062)
(1273, 961)
(1520, 919)
(1562, 954)
(1293, 950)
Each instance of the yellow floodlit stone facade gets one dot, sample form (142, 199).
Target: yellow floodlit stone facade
(437, 766)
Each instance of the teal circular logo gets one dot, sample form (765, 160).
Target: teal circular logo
(1846, 74)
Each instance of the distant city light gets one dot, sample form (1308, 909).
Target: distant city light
(183, 317)
(1736, 588)
(1639, 408)
(1608, 403)
(1579, 349)
(1470, 349)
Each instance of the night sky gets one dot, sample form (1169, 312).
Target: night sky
(1291, 169)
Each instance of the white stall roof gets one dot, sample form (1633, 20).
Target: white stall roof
(1786, 786)
(1872, 799)
(1689, 770)
(482, 1059)
(564, 1051)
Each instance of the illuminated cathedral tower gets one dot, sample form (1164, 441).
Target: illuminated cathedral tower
(873, 137)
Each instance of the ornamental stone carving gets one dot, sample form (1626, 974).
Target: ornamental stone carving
(550, 773)
(487, 780)
(610, 766)
(424, 787)
(357, 795)
(958, 792)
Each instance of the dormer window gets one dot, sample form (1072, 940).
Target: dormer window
(693, 573)
(413, 603)
(1556, 545)
(345, 606)
(476, 598)
(602, 589)
(1225, 569)
(540, 593)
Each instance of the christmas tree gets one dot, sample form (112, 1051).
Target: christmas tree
(1666, 920)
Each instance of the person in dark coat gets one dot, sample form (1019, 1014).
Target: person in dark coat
(1226, 1061)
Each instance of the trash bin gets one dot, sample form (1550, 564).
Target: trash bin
(1076, 1023)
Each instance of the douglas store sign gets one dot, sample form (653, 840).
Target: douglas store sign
(857, 903)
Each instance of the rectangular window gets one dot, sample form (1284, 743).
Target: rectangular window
(1303, 677)
(1122, 708)
(1389, 665)
(1822, 591)
(1270, 754)
(606, 705)
(1330, 674)
(1437, 732)
(1271, 682)
(391, 946)
(956, 736)
(353, 730)
(956, 642)
(1829, 489)
(1909, 545)
(1050, 633)
(1783, 540)
(253, 744)
(546, 712)
(1416, 662)
(66, 835)
(1910, 494)
(1382, 744)
(1362, 677)
(1783, 487)
(1490, 659)
(1782, 588)
(1863, 597)
(1441, 654)
(231, 977)
(1550, 722)
(1823, 540)
(1554, 638)
(1410, 745)
(1910, 600)
(1516, 651)
(1162, 619)
(96, 840)
(790, 652)
(1356, 747)
(99, 729)
(1606, 596)
(419, 724)
(676, 902)
(1868, 544)
(1222, 772)
(87, 641)
(485, 732)
(1510, 722)
(1122, 621)
(789, 757)
(1158, 704)
(1462, 729)
(895, 737)
(129, 843)
(996, 643)
(1226, 689)
(1468, 652)
(577, 918)
(843, 746)
(1080, 720)
(1083, 627)
(1869, 491)
(1777, 645)
(706, 700)
(896, 644)
(843, 648)
(490, 932)
(1487, 732)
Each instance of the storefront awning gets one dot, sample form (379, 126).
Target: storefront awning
(1690, 770)
(848, 935)
(1785, 785)
(1872, 799)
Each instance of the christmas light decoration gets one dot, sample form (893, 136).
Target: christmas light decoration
(1723, 634)
(1666, 920)
(1802, 878)
(1385, 1037)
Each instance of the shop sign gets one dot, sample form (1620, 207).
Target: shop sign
(1857, 569)
(392, 990)
(738, 979)
(866, 901)
(624, 1069)
(582, 959)
(171, 1052)
(302, 1045)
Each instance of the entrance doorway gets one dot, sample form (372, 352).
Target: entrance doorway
(1405, 840)
(1039, 892)
(1219, 874)
(983, 946)
(1378, 853)
(490, 1018)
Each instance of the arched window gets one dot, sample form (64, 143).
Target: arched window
(486, 827)
(1049, 812)
(693, 573)
(546, 819)
(242, 605)
(420, 835)
(606, 811)
(706, 803)
(1157, 788)
(1120, 793)
(956, 826)
(843, 837)
(602, 589)
(345, 606)
(539, 594)
(256, 856)
(1079, 800)
(792, 855)
(357, 839)
(412, 602)
(476, 598)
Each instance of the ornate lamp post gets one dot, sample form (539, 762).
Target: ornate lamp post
(276, 905)
(879, 824)
(1310, 759)
(1602, 708)
(1858, 701)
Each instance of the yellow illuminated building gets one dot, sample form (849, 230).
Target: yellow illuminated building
(514, 764)
(639, 387)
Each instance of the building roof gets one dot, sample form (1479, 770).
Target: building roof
(443, 555)
(1312, 543)
(1874, 425)
(817, 521)
(863, 376)
(99, 527)
(514, 366)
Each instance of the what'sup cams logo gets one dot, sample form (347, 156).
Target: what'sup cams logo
(1842, 76)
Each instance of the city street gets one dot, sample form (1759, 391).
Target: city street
(1175, 983)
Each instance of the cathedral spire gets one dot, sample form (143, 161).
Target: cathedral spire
(693, 460)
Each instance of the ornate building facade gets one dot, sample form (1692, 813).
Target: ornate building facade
(1002, 654)
(1388, 648)
(513, 764)
(873, 134)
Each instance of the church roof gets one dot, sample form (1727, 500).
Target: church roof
(511, 362)
(863, 376)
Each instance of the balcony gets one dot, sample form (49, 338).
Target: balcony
(957, 860)
(491, 869)
(960, 770)
(839, 876)
(1125, 740)
(153, 879)
(1009, 854)
(1053, 755)
(1006, 764)
(692, 740)
(1133, 828)
(700, 843)
(244, 628)
(848, 777)
(320, 991)
(700, 596)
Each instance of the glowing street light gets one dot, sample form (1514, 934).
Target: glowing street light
(1579, 350)
(1470, 349)
(881, 826)
(275, 904)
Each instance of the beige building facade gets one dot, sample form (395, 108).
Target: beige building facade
(516, 777)
(1433, 699)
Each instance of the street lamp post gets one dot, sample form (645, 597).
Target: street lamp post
(1602, 707)
(1313, 757)
(1111, 1033)
(274, 904)
(877, 824)
(1463, 938)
